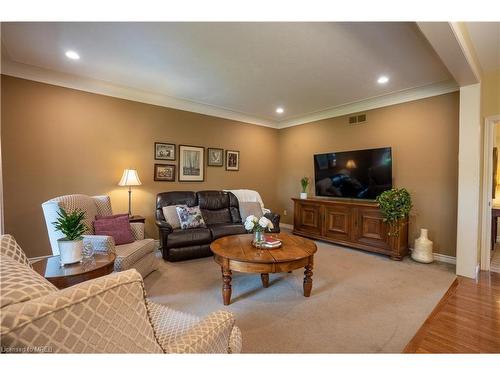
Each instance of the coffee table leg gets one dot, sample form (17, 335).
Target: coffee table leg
(308, 283)
(265, 279)
(226, 286)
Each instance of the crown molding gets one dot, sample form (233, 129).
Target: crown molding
(52, 77)
(375, 102)
(19, 70)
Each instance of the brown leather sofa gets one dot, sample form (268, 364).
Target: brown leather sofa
(221, 213)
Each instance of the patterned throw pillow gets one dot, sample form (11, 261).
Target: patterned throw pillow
(190, 217)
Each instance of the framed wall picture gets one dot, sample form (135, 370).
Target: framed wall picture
(215, 157)
(164, 172)
(232, 160)
(191, 163)
(164, 151)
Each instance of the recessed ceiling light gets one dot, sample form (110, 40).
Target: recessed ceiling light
(280, 110)
(383, 79)
(72, 55)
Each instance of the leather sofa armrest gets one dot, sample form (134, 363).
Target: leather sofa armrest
(275, 219)
(164, 226)
(165, 229)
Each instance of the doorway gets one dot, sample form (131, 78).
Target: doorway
(490, 234)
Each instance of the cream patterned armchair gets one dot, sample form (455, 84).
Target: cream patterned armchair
(139, 254)
(109, 314)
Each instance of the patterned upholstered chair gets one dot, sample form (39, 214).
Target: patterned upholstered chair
(109, 314)
(139, 254)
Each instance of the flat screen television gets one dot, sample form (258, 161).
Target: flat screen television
(361, 174)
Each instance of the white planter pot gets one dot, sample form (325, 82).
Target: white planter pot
(303, 195)
(422, 250)
(70, 251)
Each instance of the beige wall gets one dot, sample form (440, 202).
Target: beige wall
(59, 141)
(88, 140)
(424, 138)
(490, 93)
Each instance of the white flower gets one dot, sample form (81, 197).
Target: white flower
(251, 218)
(249, 224)
(264, 222)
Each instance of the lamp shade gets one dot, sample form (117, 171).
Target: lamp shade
(130, 178)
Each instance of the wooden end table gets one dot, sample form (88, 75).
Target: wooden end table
(137, 219)
(236, 253)
(71, 274)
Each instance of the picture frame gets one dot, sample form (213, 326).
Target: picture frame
(164, 151)
(164, 172)
(215, 157)
(232, 160)
(191, 163)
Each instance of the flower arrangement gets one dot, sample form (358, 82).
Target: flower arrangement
(253, 224)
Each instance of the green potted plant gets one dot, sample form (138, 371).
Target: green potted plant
(304, 182)
(72, 227)
(396, 206)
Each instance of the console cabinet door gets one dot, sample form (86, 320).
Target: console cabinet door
(369, 228)
(308, 218)
(338, 222)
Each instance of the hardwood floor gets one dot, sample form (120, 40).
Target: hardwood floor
(466, 320)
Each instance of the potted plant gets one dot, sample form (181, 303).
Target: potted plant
(258, 226)
(304, 182)
(72, 226)
(396, 206)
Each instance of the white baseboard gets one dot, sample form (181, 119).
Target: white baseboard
(445, 258)
(286, 226)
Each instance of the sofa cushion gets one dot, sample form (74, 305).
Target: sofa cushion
(250, 208)
(20, 283)
(214, 206)
(10, 247)
(171, 217)
(221, 230)
(190, 217)
(189, 237)
(117, 226)
(129, 254)
(216, 216)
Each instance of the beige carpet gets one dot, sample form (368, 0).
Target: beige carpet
(360, 302)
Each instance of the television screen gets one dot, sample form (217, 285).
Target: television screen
(362, 174)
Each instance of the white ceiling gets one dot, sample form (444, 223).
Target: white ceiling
(486, 39)
(247, 68)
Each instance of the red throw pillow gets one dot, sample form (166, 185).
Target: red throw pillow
(117, 227)
(99, 217)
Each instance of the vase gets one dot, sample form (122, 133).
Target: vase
(257, 236)
(303, 195)
(70, 251)
(422, 250)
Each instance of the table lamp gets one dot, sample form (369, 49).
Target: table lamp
(130, 178)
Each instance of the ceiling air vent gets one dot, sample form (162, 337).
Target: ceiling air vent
(358, 119)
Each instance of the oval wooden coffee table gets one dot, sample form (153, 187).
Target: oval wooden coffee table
(71, 274)
(236, 253)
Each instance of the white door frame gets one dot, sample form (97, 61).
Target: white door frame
(486, 204)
